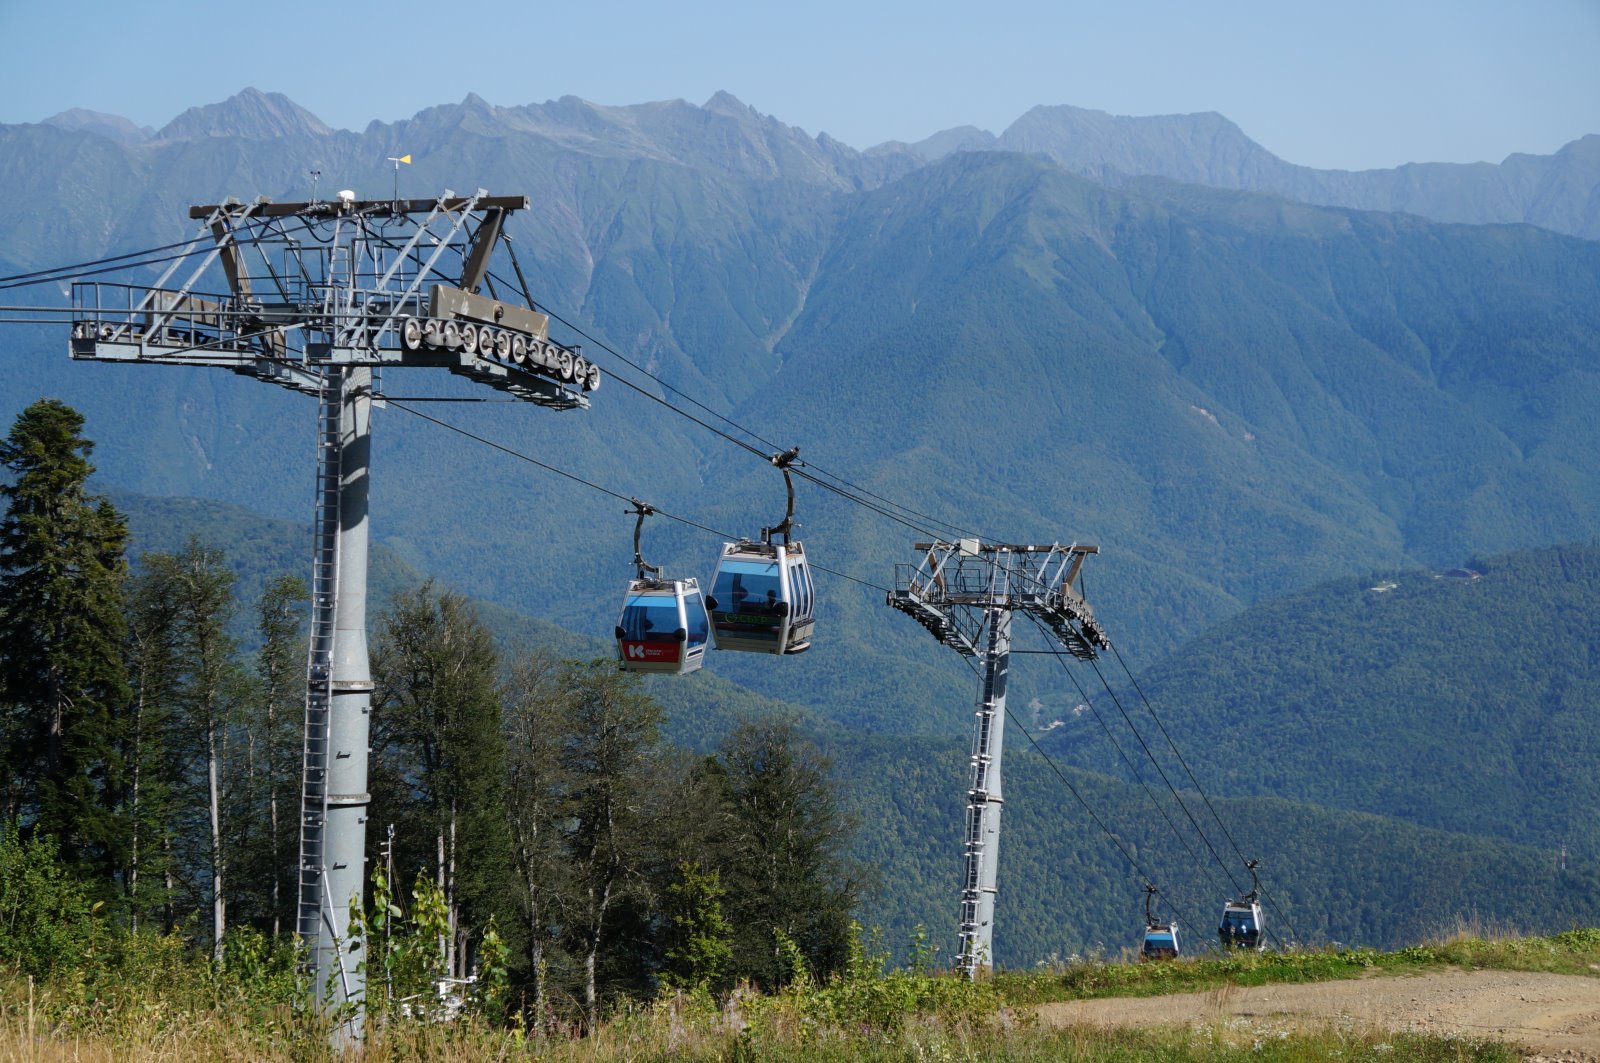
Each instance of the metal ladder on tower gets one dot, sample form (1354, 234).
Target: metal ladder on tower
(319, 665)
(982, 760)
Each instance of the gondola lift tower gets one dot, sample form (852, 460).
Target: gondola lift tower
(964, 593)
(315, 297)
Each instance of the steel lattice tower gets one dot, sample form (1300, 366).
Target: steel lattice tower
(316, 297)
(965, 593)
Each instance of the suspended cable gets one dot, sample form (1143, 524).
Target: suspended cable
(1139, 869)
(1198, 788)
(548, 467)
(1138, 777)
(1162, 772)
(97, 272)
(67, 270)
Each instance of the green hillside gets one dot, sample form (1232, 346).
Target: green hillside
(1465, 705)
(1335, 874)
(1234, 396)
(1064, 888)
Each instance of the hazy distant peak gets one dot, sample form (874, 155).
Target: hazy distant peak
(1200, 148)
(250, 115)
(947, 141)
(111, 126)
(724, 102)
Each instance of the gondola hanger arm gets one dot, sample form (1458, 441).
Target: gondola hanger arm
(645, 569)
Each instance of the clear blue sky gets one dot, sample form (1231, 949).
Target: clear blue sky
(1352, 84)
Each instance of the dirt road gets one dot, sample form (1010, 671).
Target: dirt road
(1548, 1016)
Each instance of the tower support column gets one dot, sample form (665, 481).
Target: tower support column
(985, 800)
(338, 702)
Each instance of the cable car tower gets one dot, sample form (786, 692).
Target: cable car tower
(964, 593)
(316, 297)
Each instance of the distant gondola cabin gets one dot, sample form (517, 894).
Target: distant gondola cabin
(1241, 926)
(1160, 942)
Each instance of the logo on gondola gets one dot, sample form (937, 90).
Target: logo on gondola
(663, 652)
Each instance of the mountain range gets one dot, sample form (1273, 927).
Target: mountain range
(1146, 334)
(1556, 192)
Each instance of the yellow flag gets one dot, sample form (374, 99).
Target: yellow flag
(406, 159)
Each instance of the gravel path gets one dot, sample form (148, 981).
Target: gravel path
(1549, 1017)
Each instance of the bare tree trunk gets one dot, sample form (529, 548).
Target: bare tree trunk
(169, 915)
(133, 818)
(591, 996)
(452, 914)
(272, 817)
(444, 946)
(535, 938)
(219, 904)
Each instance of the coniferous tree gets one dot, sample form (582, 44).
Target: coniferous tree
(439, 756)
(62, 681)
(782, 853)
(149, 814)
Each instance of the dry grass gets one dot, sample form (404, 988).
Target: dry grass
(1473, 927)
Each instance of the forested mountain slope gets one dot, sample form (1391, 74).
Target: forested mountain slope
(1461, 704)
(1066, 887)
(1233, 396)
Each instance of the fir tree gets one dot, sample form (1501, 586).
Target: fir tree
(62, 680)
(782, 853)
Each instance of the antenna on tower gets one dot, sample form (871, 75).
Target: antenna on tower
(397, 161)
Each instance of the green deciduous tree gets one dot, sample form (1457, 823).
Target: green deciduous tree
(536, 790)
(611, 735)
(47, 921)
(208, 699)
(439, 755)
(61, 627)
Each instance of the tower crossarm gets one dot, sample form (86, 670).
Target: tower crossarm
(293, 289)
(953, 580)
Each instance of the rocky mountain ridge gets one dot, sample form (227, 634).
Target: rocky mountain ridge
(1560, 192)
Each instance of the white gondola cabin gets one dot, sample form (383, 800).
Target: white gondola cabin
(762, 598)
(1160, 941)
